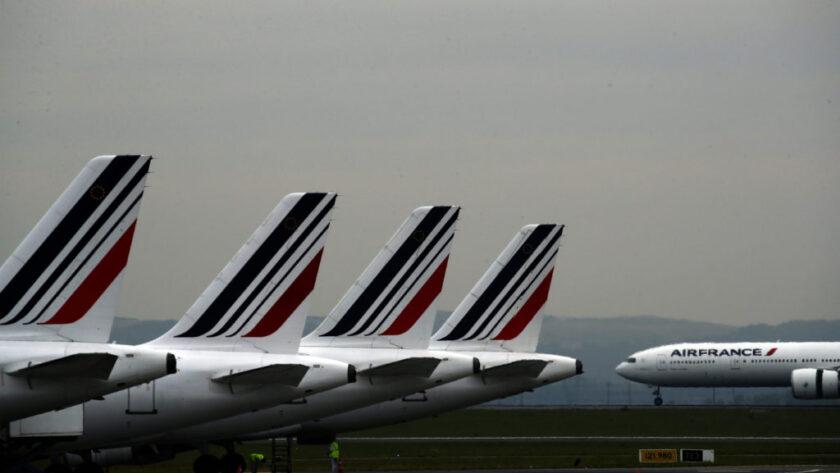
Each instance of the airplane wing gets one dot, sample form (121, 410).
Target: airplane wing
(80, 365)
(417, 366)
(528, 368)
(279, 373)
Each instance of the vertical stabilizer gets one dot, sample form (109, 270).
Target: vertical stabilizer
(503, 312)
(63, 280)
(392, 304)
(260, 300)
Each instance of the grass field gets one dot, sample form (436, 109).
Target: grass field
(377, 449)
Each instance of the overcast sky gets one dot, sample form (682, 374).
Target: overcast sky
(691, 148)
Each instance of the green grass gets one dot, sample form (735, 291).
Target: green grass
(475, 452)
(636, 421)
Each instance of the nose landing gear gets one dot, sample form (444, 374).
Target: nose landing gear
(657, 401)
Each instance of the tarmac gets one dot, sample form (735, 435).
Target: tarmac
(699, 469)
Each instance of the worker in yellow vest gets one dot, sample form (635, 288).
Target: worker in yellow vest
(334, 456)
(256, 459)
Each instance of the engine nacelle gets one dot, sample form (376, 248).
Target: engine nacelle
(810, 383)
(137, 455)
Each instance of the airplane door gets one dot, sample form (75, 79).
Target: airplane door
(141, 399)
(660, 362)
(735, 364)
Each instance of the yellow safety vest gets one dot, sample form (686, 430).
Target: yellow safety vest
(334, 450)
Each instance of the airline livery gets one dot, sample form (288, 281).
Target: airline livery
(237, 345)
(381, 325)
(498, 322)
(236, 365)
(809, 368)
(58, 296)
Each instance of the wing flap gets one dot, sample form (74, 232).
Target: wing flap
(527, 368)
(417, 366)
(289, 374)
(80, 365)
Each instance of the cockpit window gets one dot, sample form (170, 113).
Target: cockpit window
(631, 360)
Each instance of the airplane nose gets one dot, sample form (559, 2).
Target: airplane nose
(621, 368)
(578, 367)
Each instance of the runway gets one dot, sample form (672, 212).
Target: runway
(592, 439)
(708, 469)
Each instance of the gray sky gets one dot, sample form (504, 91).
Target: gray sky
(691, 148)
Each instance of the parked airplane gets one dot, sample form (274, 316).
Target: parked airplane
(237, 345)
(381, 325)
(809, 368)
(58, 295)
(498, 322)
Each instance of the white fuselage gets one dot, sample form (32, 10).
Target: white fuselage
(746, 364)
(26, 396)
(467, 391)
(191, 396)
(367, 390)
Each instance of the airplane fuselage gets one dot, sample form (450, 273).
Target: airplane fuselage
(369, 389)
(197, 393)
(746, 364)
(490, 384)
(29, 394)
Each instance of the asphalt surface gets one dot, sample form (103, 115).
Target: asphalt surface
(594, 439)
(705, 469)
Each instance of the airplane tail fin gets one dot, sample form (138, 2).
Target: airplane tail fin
(503, 310)
(260, 300)
(392, 304)
(63, 280)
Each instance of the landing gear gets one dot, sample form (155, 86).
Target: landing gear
(232, 462)
(657, 401)
(206, 464)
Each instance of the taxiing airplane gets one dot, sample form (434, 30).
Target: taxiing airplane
(58, 296)
(809, 368)
(498, 323)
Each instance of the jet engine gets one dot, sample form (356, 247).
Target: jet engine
(137, 455)
(810, 383)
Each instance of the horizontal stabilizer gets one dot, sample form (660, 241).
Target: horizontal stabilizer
(80, 365)
(527, 368)
(422, 367)
(289, 374)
